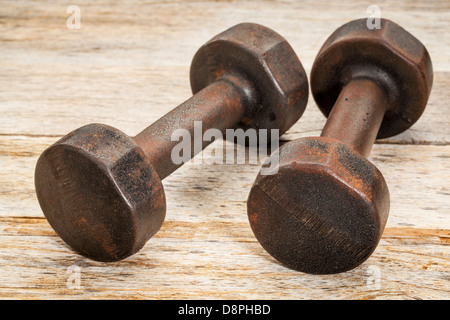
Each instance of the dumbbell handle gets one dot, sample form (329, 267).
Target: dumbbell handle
(220, 105)
(357, 115)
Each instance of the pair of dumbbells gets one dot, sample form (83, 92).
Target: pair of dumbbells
(324, 210)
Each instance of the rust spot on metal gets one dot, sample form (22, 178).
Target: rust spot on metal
(253, 218)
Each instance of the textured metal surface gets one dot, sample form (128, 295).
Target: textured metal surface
(357, 115)
(220, 105)
(326, 208)
(101, 190)
(100, 193)
(278, 97)
(390, 56)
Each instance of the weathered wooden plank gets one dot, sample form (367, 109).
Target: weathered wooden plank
(417, 177)
(215, 260)
(128, 64)
(206, 249)
(126, 67)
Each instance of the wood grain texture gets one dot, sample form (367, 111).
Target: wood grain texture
(127, 66)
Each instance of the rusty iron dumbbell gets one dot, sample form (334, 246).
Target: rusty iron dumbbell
(101, 190)
(326, 208)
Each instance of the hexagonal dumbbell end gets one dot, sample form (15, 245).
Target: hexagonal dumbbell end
(324, 210)
(100, 193)
(249, 52)
(390, 56)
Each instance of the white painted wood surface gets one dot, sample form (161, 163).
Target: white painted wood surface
(127, 66)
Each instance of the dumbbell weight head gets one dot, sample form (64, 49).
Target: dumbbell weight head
(324, 210)
(100, 193)
(265, 59)
(390, 56)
